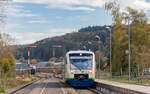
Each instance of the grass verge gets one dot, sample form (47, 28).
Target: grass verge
(7, 83)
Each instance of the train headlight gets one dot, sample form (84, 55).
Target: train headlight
(72, 71)
(90, 71)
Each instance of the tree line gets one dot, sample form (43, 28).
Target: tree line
(72, 41)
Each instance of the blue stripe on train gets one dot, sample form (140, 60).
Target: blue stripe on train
(81, 83)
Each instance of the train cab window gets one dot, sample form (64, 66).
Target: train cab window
(80, 61)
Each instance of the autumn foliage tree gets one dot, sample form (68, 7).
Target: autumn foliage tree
(139, 37)
(100, 59)
(7, 61)
(34, 61)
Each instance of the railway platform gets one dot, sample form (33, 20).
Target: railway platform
(135, 89)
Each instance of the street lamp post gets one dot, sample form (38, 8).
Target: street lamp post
(110, 49)
(98, 37)
(129, 47)
(129, 44)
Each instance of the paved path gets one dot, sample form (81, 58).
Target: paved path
(144, 89)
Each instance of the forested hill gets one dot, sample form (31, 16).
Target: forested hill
(83, 39)
(93, 28)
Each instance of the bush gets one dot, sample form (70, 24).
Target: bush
(34, 61)
(7, 65)
(3, 89)
(48, 65)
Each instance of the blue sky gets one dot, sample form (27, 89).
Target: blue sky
(32, 20)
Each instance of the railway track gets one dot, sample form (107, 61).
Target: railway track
(81, 90)
(44, 85)
(88, 90)
(27, 88)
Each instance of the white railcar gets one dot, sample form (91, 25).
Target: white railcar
(79, 68)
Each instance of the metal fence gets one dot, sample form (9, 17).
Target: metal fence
(136, 77)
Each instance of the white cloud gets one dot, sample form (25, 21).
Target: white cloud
(136, 4)
(59, 17)
(31, 37)
(13, 26)
(74, 8)
(19, 11)
(88, 5)
(37, 21)
(94, 3)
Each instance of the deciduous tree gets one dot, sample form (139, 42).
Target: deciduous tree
(139, 35)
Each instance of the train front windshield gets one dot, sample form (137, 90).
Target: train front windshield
(81, 61)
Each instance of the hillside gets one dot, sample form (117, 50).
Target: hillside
(71, 41)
